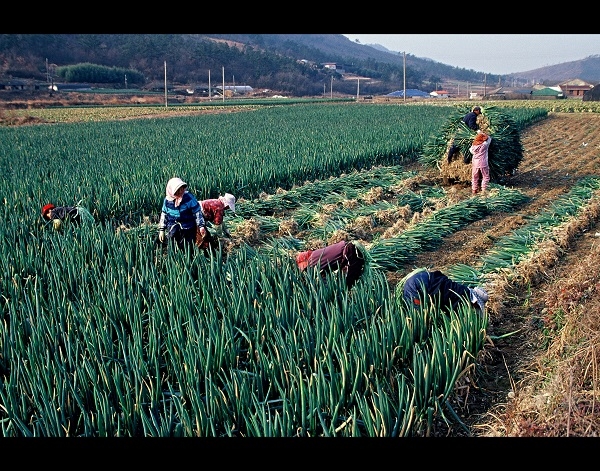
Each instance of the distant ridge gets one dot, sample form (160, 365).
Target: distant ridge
(587, 69)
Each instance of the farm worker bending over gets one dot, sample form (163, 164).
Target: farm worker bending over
(480, 168)
(438, 288)
(214, 212)
(58, 214)
(181, 215)
(470, 119)
(344, 256)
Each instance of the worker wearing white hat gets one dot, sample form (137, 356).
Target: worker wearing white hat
(214, 212)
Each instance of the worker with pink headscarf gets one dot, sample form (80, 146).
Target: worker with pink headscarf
(480, 167)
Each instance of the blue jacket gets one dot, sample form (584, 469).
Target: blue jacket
(470, 120)
(188, 214)
(438, 287)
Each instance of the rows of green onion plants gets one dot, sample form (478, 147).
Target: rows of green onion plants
(389, 253)
(347, 185)
(97, 338)
(551, 106)
(212, 334)
(427, 235)
(512, 249)
(110, 112)
(119, 168)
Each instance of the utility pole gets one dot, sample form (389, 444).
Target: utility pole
(125, 81)
(223, 84)
(166, 105)
(404, 62)
(484, 85)
(209, 90)
(47, 72)
(331, 88)
(357, 88)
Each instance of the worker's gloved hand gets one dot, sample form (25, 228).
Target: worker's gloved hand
(200, 235)
(161, 235)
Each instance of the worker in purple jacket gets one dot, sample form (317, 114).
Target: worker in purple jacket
(344, 256)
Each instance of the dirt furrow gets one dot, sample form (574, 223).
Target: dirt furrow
(557, 153)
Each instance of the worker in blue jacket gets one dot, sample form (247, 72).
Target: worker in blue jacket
(181, 218)
(423, 285)
(470, 119)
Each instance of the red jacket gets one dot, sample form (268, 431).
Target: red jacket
(213, 210)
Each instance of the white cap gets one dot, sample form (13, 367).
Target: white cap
(479, 296)
(229, 200)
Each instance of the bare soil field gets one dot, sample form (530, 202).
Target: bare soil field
(539, 376)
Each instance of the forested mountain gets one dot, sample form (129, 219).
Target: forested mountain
(289, 63)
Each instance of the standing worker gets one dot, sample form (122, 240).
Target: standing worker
(480, 168)
(470, 119)
(423, 284)
(181, 216)
(344, 256)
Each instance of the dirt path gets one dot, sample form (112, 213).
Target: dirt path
(557, 152)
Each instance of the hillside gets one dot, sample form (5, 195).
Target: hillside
(289, 63)
(286, 63)
(587, 69)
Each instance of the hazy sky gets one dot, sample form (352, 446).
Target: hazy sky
(490, 53)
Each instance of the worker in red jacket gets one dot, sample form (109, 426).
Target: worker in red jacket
(214, 212)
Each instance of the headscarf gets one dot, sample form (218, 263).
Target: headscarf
(172, 186)
(228, 200)
(302, 259)
(46, 208)
(480, 138)
(479, 296)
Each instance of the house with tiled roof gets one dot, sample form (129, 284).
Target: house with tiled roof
(575, 88)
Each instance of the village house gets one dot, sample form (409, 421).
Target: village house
(440, 94)
(575, 88)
